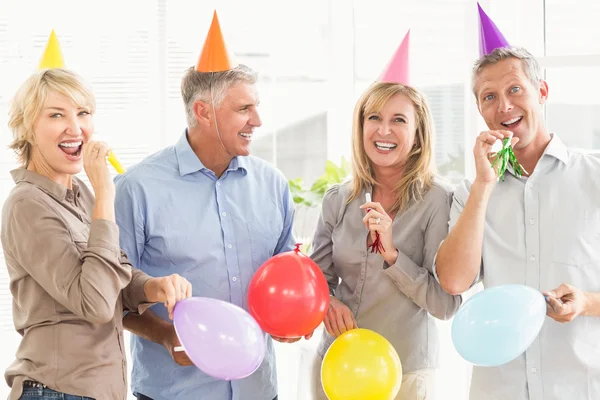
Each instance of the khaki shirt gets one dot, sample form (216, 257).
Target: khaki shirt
(398, 301)
(70, 284)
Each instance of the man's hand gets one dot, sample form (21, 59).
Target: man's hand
(565, 303)
(175, 350)
(482, 151)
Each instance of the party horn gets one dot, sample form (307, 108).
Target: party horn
(112, 159)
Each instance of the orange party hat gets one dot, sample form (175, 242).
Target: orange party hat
(214, 56)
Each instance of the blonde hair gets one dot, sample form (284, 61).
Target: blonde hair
(26, 106)
(198, 85)
(419, 169)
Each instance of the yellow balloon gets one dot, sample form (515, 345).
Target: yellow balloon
(361, 365)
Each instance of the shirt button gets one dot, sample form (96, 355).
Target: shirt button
(532, 221)
(530, 185)
(234, 279)
(218, 183)
(224, 214)
(534, 370)
(532, 258)
(229, 246)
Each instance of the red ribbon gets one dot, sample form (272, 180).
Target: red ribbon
(376, 247)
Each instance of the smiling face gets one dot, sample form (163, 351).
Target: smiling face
(237, 117)
(392, 143)
(59, 131)
(389, 133)
(508, 100)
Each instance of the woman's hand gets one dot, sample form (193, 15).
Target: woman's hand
(339, 318)
(168, 290)
(377, 220)
(96, 169)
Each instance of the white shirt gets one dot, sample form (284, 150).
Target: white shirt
(543, 231)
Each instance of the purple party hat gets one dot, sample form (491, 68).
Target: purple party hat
(490, 37)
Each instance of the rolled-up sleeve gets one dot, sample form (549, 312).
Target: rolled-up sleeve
(459, 199)
(85, 277)
(322, 244)
(417, 282)
(134, 297)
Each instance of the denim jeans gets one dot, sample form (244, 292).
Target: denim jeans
(40, 393)
(142, 397)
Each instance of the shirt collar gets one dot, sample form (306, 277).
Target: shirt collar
(239, 163)
(557, 149)
(56, 190)
(189, 162)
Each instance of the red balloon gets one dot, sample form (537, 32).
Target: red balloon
(288, 295)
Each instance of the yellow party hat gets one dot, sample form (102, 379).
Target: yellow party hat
(52, 57)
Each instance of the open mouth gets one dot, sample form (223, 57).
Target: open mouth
(71, 149)
(511, 123)
(246, 135)
(385, 146)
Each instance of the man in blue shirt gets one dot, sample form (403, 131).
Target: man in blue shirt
(206, 209)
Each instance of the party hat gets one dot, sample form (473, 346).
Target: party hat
(490, 37)
(52, 57)
(214, 56)
(397, 70)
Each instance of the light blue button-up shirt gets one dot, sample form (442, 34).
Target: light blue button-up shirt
(176, 216)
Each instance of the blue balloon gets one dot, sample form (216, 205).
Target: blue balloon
(498, 324)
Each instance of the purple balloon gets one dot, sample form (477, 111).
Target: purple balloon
(220, 338)
(490, 37)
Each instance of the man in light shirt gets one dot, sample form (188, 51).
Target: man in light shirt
(541, 230)
(208, 209)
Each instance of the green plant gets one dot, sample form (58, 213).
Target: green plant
(313, 196)
(307, 199)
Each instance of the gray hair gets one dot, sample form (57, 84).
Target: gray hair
(530, 65)
(197, 86)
